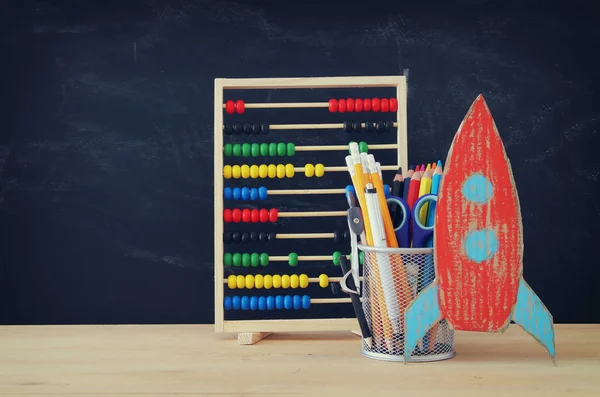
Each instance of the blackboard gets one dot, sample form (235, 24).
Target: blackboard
(107, 124)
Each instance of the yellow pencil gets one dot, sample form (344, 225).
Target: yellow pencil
(425, 188)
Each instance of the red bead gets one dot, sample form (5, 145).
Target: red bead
(246, 215)
(333, 105)
(376, 104)
(273, 213)
(230, 106)
(367, 104)
(393, 105)
(254, 216)
(227, 215)
(236, 214)
(350, 105)
(358, 105)
(342, 106)
(385, 105)
(264, 215)
(239, 106)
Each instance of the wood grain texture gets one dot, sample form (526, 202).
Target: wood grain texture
(479, 251)
(191, 360)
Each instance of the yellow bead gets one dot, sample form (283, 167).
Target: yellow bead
(245, 171)
(323, 280)
(285, 281)
(303, 281)
(276, 281)
(236, 171)
(254, 171)
(309, 170)
(241, 281)
(289, 170)
(227, 172)
(268, 281)
(262, 171)
(272, 170)
(319, 170)
(294, 281)
(258, 281)
(280, 171)
(249, 281)
(232, 281)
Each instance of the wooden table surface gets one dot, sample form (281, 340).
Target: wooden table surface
(169, 360)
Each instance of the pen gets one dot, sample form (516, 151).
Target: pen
(356, 304)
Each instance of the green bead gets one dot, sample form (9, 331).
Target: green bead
(255, 150)
(237, 259)
(272, 149)
(237, 150)
(293, 258)
(246, 260)
(264, 149)
(246, 150)
(350, 143)
(361, 257)
(227, 149)
(291, 149)
(254, 259)
(264, 259)
(281, 150)
(363, 147)
(336, 258)
(227, 259)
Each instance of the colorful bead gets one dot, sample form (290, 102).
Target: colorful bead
(232, 281)
(319, 170)
(280, 171)
(294, 281)
(237, 193)
(309, 170)
(342, 106)
(386, 191)
(285, 281)
(237, 150)
(376, 104)
(289, 170)
(227, 215)
(268, 281)
(227, 259)
(385, 105)
(273, 215)
(240, 281)
(227, 193)
(230, 106)
(276, 281)
(264, 149)
(336, 258)
(237, 259)
(236, 171)
(279, 302)
(227, 149)
(246, 260)
(367, 104)
(363, 147)
(281, 149)
(291, 149)
(254, 215)
(245, 171)
(350, 105)
(333, 105)
(293, 259)
(255, 150)
(245, 302)
(287, 302)
(270, 302)
(227, 172)
(249, 281)
(258, 281)
(263, 171)
(254, 259)
(264, 259)
(227, 303)
(254, 171)
(305, 301)
(393, 105)
(262, 302)
(239, 106)
(246, 149)
(253, 302)
(264, 215)
(272, 170)
(323, 281)
(236, 302)
(246, 215)
(262, 193)
(303, 281)
(236, 215)
(358, 105)
(272, 149)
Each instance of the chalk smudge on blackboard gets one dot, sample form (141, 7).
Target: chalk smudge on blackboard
(134, 252)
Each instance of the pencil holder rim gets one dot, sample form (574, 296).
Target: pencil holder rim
(388, 250)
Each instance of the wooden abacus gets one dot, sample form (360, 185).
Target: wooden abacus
(251, 331)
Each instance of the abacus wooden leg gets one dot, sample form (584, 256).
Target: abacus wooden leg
(250, 338)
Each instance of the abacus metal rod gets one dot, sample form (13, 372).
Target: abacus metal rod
(311, 214)
(283, 105)
(310, 280)
(342, 147)
(285, 258)
(321, 126)
(284, 236)
(345, 168)
(305, 191)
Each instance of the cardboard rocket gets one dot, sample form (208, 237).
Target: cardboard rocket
(478, 244)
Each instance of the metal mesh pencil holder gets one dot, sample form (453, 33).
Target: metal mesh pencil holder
(392, 277)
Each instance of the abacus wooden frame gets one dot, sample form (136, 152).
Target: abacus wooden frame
(221, 84)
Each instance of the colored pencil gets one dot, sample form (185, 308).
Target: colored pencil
(425, 188)
(407, 177)
(413, 191)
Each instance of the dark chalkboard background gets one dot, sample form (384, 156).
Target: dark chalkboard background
(106, 135)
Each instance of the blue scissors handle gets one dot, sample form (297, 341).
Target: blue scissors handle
(403, 229)
(411, 228)
(421, 233)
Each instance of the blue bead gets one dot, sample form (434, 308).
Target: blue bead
(387, 190)
(297, 302)
(235, 302)
(253, 302)
(262, 303)
(279, 302)
(237, 193)
(245, 303)
(262, 193)
(227, 193)
(287, 302)
(254, 194)
(245, 193)
(305, 302)
(227, 303)
(270, 303)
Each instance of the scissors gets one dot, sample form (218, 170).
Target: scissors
(411, 228)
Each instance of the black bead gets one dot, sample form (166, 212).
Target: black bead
(369, 126)
(237, 128)
(347, 126)
(255, 129)
(272, 236)
(356, 126)
(245, 238)
(335, 288)
(262, 237)
(379, 126)
(228, 129)
(247, 128)
(253, 236)
(338, 236)
(389, 126)
(227, 237)
(264, 128)
(346, 235)
(236, 237)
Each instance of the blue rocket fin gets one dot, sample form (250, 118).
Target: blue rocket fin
(422, 314)
(531, 314)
